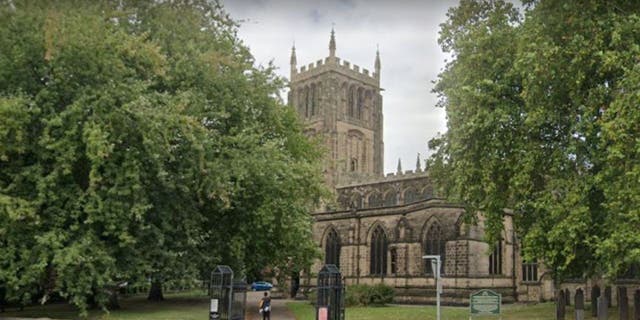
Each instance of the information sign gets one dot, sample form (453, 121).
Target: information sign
(485, 302)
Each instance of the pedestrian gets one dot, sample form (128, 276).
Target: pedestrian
(265, 307)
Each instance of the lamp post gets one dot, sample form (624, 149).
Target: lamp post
(435, 267)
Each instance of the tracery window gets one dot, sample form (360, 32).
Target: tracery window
(375, 200)
(332, 248)
(350, 101)
(434, 244)
(410, 196)
(360, 105)
(495, 259)
(378, 254)
(390, 199)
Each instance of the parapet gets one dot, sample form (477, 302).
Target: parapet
(335, 64)
(362, 179)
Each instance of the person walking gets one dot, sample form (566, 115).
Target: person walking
(265, 307)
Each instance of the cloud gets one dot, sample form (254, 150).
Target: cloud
(406, 32)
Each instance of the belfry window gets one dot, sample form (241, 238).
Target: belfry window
(314, 100)
(378, 255)
(350, 102)
(495, 259)
(360, 105)
(353, 165)
(434, 244)
(332, 249)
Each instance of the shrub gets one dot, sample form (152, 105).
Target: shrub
(366, 295)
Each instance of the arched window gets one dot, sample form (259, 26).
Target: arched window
(314, 100)
(307, 104)
(378, 254)
(434, 244)
(354, 165)
(332, 248)
(390, 199)
(410, 196)
(360, 105)
(495, 259)
(350, 101)
(427, 193)
(375, 200)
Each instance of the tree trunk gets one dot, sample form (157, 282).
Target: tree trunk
(113, 304)
(155, 292)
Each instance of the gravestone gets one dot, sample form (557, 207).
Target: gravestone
(560, 305)
(636, 305)
(579, 303)
(623, 303)
(607, 294)
(602, 308)
(567, 296)
(595, 294)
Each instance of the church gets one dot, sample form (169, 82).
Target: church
(381, 225)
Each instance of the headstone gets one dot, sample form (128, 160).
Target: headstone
(579, 303)
(623, 303)
(636, 305)
(567, 296)
(607, 294)
(560, 305)
(602, 308)
(595, 294)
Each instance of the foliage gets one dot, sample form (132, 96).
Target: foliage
(540, 121)
(367, 295)
(139, 142)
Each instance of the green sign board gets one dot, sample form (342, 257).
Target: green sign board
(485, 302)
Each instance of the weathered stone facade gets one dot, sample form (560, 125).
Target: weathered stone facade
(382, 225)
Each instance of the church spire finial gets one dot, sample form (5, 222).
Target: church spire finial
(332, 44)
(418, 164)
(399, 166)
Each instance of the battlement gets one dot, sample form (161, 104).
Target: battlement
(335, 64)
(360, 179)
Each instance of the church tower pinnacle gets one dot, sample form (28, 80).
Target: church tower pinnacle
(377, 64)
(332, 44)
(294, 61)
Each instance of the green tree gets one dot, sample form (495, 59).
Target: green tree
(139, 141)
(537, 123)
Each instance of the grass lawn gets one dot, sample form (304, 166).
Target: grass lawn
(182, 306)
(546, 311)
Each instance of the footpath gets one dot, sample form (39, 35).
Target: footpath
(279, 310)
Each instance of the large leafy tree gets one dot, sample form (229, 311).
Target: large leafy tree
(539, 121)
(139, 141)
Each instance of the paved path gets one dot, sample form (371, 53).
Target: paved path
(279, 310)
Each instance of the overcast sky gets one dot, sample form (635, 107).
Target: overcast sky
(406, 32)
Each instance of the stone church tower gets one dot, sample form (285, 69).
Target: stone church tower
(341, 103)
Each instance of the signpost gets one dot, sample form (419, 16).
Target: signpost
(485, 302)
(435, 266)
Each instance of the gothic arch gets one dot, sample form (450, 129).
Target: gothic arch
(433, 240)
(410, 195)
(378, 249)
(314, 100)
(356, 201)
(360, 103)
(375, 225)
(427, 192)
(306, 101)
(332, 246)
(351, 103)
(374, 200)
(390, 198)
